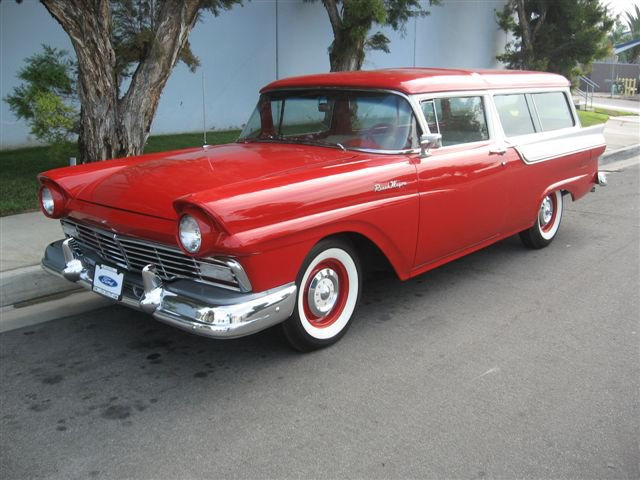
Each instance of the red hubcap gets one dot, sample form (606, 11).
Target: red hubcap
(325, 293)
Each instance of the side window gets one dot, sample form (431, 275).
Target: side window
(553, 110)
(457, 119)
(514, 114)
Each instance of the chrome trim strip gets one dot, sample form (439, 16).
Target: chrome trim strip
(385, 152)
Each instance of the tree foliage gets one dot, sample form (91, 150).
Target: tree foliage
(353, 20)
(47, 97)
(633, 22)
(619, 32)
(555, 35)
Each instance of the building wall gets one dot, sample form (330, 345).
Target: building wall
(245, 48)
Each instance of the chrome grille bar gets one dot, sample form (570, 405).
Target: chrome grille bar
(134, 254)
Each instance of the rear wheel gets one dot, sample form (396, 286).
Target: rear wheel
(329, 285)
(547, 222)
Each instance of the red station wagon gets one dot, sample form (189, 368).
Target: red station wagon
(420, 165)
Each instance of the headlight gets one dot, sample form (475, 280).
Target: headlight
(190, 235)
(46, 198)
(53, 201)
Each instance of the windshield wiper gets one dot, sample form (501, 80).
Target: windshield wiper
(266, 138)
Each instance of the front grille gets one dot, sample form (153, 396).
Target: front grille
(134, 254)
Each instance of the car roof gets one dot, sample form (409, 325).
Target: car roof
(424, 80)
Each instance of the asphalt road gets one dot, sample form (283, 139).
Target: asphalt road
(507, 363)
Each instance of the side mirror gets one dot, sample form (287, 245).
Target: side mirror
(429, 141)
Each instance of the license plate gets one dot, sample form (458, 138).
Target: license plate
(108, 282)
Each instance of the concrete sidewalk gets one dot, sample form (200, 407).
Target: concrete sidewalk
(621, 133)
(23, 238)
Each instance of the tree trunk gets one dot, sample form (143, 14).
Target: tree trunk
(346, 54)
(139, 104)
(89, 28)
(110, 126)
(529, 30)
(527, 44)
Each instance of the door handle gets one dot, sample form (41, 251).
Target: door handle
(498, 149)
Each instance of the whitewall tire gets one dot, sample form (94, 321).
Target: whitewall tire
(547, 222)
(329, 286)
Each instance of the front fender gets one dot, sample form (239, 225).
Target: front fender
(273, 254)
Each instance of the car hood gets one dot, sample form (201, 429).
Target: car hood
(150, 184)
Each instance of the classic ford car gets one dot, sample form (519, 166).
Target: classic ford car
(422, 166)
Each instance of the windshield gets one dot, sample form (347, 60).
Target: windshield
(343, 119)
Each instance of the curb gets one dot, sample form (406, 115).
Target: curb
(626, 118)
(29, 283)
(65, 305)
(620, 154)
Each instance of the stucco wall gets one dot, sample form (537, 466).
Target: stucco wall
(238, 54)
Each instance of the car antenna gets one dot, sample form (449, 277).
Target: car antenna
(204, 117)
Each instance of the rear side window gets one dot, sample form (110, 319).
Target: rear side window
(457, 119)
(521, 114)
(514, 114)
(553, 110)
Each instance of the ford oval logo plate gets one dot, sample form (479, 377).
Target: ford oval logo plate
(108, 281)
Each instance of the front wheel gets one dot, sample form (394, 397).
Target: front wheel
(329, 286)
(547, 222)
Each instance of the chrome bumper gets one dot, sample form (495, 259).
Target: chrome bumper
(217, 315)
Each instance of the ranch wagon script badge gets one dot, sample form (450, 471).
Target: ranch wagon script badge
(392, 184)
